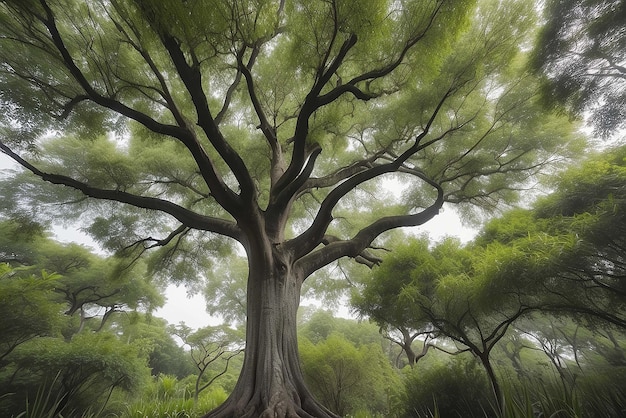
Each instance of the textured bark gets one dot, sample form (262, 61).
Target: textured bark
(271, 382)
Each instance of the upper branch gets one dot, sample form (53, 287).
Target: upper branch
(192, 78)
(311, 104)
(314, 101)
(221, 192)
(50, 22)
(266, 128)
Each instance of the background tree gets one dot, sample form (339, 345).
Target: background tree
(381, 298)
(348, 377)
(78, 365)
(451, 291)
(88, 369)
(212, 349)
(165, 355)
(27, 308)
(93, 287)
(268, 123)
(580, 50)
(570, 244)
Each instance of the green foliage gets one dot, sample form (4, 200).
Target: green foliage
(322, 323)
(165, 355)
(447, 389)
(346, 377)
(27, 307)
(44, 405)
(570, 242)
(580, 50)
(270, 123)
(166, 397)
(49, 328)
(89, 367)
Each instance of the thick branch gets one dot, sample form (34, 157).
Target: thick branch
(362, 240)
(185, 216)
(192, 78)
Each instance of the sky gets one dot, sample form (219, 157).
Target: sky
(180, 307)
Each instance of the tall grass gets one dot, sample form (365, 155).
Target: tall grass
(170, 399)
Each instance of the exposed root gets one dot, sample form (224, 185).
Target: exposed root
(284, 408)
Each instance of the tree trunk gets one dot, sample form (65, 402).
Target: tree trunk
(271, 382)
(491, 374)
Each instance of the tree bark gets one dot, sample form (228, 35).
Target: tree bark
(493, 380)
(271, 382)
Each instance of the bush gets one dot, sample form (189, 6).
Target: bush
(453, 389)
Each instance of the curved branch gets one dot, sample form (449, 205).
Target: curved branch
(339, 175)
(185, 216)
(361, 241)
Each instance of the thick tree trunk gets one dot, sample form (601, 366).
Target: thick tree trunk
(271, 382)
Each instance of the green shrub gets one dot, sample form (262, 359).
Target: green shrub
(453, 389)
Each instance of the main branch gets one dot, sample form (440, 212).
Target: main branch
(185, 216)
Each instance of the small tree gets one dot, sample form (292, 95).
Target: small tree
(210, 348)
(348, 378)
(452, 291)
(27, 308)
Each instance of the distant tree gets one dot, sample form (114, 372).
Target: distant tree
(211, 349)
(557, 340)
(381, 298)
(164, 353)
(270, 123)
(581, 50)
(347, 377)
(451, 291)
(225, 291)
(27, 308)
(322, 323)
(93, 287)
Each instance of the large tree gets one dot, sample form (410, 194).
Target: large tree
(274, 124)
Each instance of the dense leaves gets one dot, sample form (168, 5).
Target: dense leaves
(581, 52)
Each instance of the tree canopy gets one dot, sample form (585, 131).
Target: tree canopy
(580, 50)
